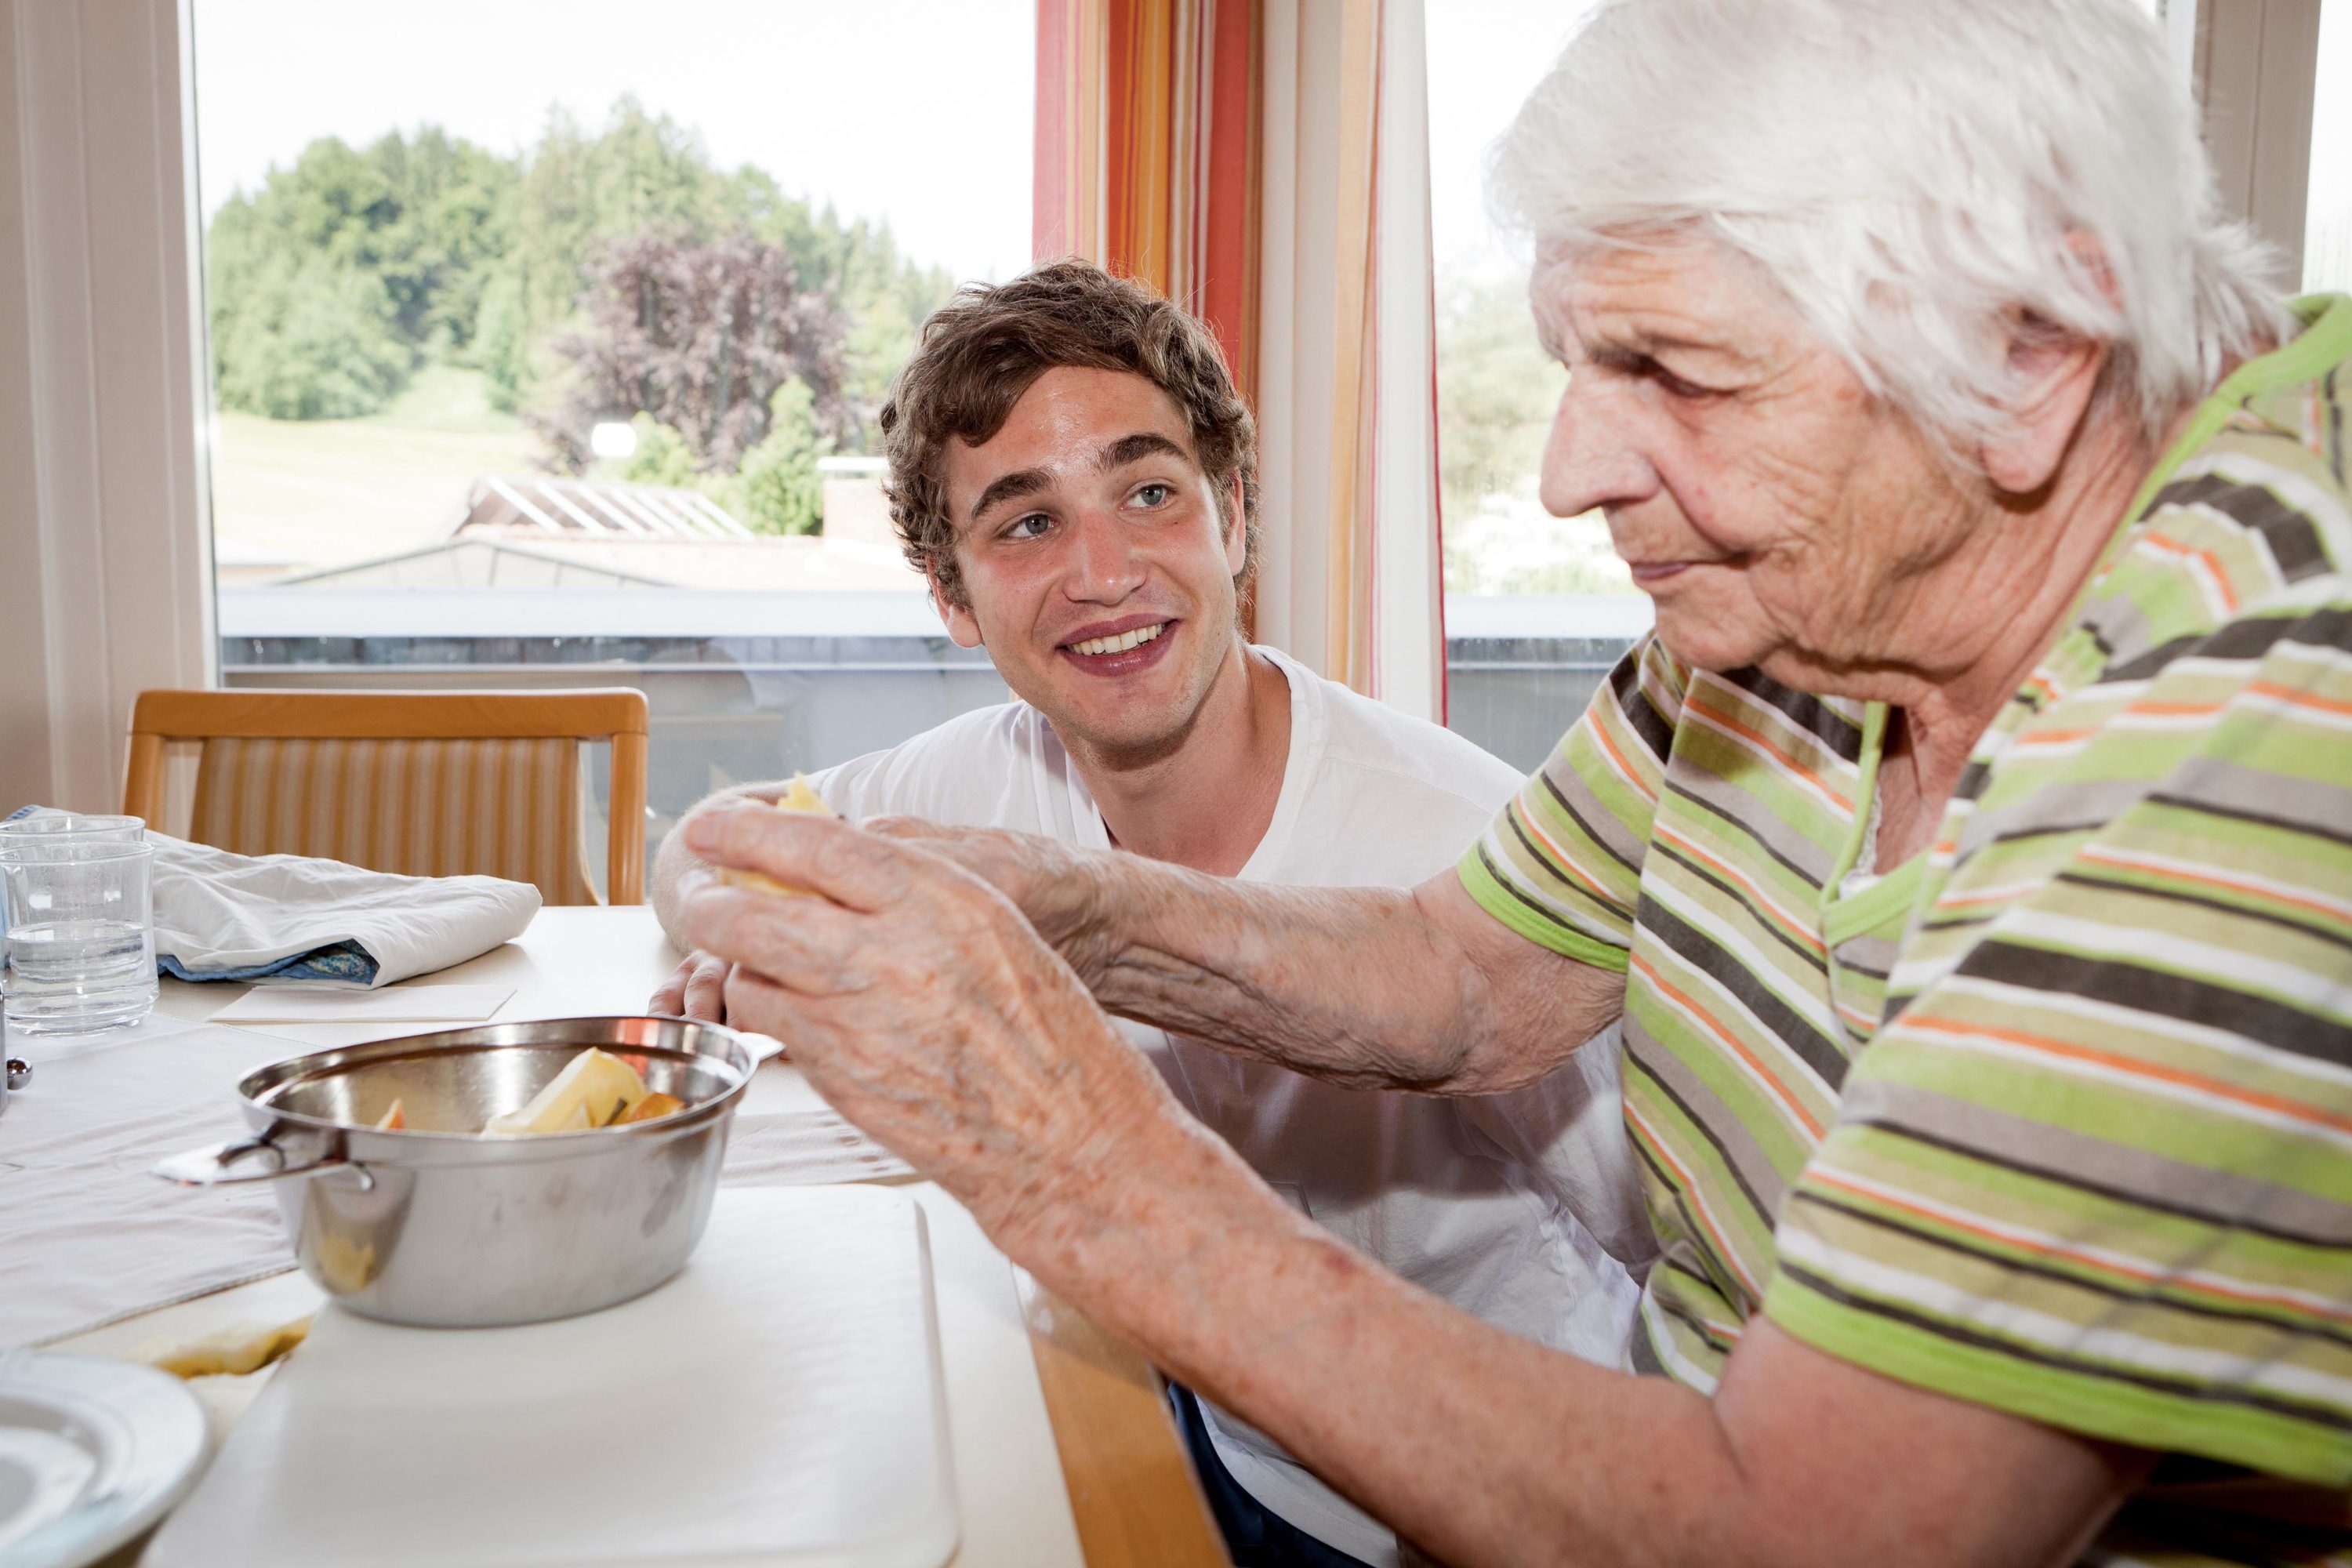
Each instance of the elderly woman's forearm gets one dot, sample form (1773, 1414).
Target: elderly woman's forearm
(1487, 1449)
(1484, 1447)
(1433, 994)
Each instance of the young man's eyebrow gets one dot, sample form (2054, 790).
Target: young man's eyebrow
(1132, 449)
(1008, 486)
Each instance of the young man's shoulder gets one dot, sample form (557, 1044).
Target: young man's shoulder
(1367, 741)
(956, 772)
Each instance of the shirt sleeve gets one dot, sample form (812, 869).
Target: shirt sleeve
(2098, 1171)
(1561, 863)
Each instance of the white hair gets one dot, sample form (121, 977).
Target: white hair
(1915, 175)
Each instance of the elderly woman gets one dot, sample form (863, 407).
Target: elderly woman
(1968, 855)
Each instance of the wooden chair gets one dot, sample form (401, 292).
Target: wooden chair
(430, 783)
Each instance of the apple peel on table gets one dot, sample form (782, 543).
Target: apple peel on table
(800, 796)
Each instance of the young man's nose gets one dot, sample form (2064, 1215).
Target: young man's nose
(1105, 566)
(1593, 457)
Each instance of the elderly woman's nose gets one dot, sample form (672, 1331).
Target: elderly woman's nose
(1105, 564)
(1590, 458)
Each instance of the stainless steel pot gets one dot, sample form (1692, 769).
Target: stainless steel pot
(439, 1225)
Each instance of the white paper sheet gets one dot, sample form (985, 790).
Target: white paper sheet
(407, 1004)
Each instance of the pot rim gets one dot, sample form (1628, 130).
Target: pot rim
(672, 1037)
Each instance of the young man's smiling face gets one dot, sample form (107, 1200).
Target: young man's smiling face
(1098, 562)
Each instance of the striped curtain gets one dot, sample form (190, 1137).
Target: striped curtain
(1147, 152)
(1265, 162)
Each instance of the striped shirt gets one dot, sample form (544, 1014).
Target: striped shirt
(2057, 1117)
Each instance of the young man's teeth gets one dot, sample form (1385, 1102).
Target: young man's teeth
(1120, 644)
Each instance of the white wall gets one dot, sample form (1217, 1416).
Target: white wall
(105, 561)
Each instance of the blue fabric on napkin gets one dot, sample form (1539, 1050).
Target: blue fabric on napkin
(344, 961)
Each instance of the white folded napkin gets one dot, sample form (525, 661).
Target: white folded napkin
(220, 916)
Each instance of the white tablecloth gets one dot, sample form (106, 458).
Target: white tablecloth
(88, 1234)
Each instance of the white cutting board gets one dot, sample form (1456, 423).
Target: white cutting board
(778, 1402)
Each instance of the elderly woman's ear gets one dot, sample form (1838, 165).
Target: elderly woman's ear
(2055, 377)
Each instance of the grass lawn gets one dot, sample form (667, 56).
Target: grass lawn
(323, 492)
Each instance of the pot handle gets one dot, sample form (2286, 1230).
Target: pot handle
(303, 1152)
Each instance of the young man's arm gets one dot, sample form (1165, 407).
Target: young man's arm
(922, 1006)
(1441, 996)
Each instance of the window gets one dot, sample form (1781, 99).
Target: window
(1537, 607)
(547, 343)
(2327, 226)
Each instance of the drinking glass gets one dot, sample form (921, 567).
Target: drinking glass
(55, 827)
(80, 952)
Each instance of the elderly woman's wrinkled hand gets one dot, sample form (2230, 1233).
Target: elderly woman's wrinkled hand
(1057, 887)
(923, 1007)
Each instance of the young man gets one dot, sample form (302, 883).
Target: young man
(1074, 471)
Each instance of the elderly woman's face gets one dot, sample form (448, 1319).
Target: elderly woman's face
(1777, 513)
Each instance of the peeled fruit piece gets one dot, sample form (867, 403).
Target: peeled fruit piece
(394, 1121)
(652, 1108)
(233, 1352)
(799, 795)
(595, 1089)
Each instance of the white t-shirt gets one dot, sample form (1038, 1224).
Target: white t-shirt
(1522, 1208)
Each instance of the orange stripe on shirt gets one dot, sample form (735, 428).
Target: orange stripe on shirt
(2214, 879)
(2202, 557)
(1558, 860)
(1641, 786)
(1690, 1190)
(2295, 1109)
(1756, 738)
(2298, 696)
(1772, 1083)
(2119, 1268)
(1762, 899)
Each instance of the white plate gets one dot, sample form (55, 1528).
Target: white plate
(91, 1453)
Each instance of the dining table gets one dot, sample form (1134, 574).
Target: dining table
(1064, 1449)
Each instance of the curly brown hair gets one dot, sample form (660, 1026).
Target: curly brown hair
(985, 347)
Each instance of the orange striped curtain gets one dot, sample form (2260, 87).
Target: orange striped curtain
(1147, 151)
(1265, 162)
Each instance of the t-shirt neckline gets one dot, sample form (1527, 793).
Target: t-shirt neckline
(1309, 732)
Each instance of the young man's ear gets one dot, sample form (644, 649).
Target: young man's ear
(1236, 525)
(962, 629)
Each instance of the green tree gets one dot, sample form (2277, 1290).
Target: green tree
(318, 343)
(331, 283)
(662, 457)
(778, 482)
(700, 334)
(425, 246)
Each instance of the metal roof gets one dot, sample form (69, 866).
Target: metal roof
(584, 507)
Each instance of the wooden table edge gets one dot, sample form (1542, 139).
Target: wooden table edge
(1132, 1489)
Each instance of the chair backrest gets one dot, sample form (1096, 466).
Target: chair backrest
(424, 783)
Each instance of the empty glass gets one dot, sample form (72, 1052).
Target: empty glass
(56, 826)
(80, 920)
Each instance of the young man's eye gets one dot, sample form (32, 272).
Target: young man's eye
(1154, 495)
(1029, 527)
